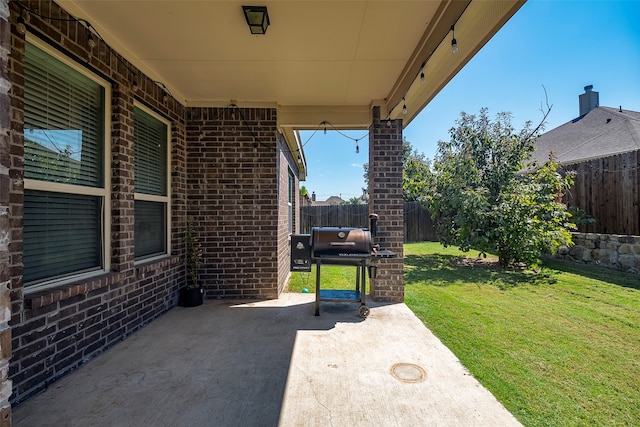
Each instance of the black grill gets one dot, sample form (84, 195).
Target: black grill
(339, 246)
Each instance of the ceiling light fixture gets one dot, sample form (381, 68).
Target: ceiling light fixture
(454, 42)
(257, 18)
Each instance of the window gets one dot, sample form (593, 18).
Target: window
(151, 184)
(291, 188)
(65, 129)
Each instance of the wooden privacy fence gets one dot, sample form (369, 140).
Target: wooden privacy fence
(418, 226)
(608, 189)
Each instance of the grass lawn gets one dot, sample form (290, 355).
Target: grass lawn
(557, 348)
(333, 277)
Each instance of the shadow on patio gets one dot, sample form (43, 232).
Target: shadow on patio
(271, 363)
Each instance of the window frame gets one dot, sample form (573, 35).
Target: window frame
(166, 199)
(291, 197)
(103, 192)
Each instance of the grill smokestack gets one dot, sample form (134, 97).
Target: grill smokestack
(588, 100)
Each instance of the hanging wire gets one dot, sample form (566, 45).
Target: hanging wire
(91, 31)
(420, 72)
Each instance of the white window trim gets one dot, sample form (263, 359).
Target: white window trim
(154, 198)
(291, 195)
(104, 193)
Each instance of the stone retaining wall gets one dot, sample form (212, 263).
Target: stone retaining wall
(608, 250)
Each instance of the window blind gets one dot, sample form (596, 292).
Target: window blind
(63, 122)
(64, 127)
(150, 135)
(61, 234)
(149, 235)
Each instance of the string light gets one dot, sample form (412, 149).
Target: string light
(404, 106)
(90, 41)
(454, 42)
(20, 25)
(422, 78)
(357, 147)
(92, 37)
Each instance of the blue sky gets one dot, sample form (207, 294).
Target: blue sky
(561, 45)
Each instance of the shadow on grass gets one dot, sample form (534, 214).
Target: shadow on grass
(608, 275)
(446, 270)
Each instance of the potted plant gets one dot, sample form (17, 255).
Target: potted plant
(192, 292)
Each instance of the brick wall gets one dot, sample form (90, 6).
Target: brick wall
(232, 187)
(385, 199)
(286, 163)
(59, 329)
(234, 160)
(5, 220)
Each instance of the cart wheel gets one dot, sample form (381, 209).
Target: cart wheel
(363, 311)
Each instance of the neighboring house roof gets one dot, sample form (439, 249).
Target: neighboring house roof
(333, 200)
(602, 132)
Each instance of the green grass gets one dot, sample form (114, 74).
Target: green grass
(332, 277)
(557, 348)
(560, 347)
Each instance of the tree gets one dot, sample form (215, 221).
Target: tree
(486, 197)
(353, 201)
(416, 173)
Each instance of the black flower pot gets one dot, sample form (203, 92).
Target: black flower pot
(191, 297)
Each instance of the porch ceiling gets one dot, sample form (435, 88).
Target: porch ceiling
(319, 60)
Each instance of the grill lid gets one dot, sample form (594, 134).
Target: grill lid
(340, 242)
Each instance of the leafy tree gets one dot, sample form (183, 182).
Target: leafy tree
(483, 197)
(416, 173)
(353, 201)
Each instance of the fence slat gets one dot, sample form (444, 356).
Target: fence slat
(418, 226)
(608, 189)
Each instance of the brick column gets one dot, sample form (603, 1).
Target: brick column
(385, 199)
(5, 217)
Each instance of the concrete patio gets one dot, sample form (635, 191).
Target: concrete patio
(272, 363)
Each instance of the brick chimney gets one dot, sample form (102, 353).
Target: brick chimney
(588, 100)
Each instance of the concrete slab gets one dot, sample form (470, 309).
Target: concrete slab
(272, 363)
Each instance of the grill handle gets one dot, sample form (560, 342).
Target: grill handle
(342, 243)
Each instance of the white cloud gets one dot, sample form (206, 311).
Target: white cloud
(356, 165)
